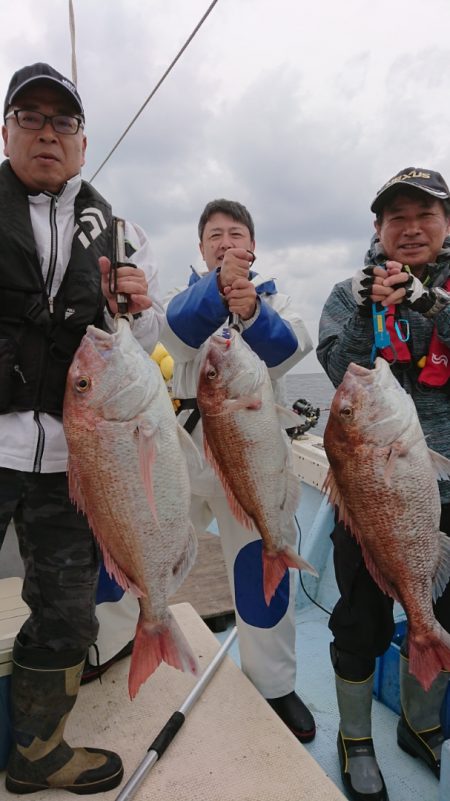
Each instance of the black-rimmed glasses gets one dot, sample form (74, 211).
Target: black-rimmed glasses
(35, 121)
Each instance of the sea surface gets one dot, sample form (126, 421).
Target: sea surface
(317, 389)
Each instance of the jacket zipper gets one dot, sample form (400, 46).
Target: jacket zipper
(48, 287)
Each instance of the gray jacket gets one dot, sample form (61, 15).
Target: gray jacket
(345, 336)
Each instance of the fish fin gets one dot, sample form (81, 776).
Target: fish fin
(429, 653)
(275, 566)
(244, 402)
(112, 567)
(75, 489)
(155, 643)
(239, 513)
(335, 498)
(293, 493)
(115, 571)
(182, 567)
(374, 571)
(396, 450)
(440, 464)
(442, 575)
(286, 417)
(147, 456)
(190, 450)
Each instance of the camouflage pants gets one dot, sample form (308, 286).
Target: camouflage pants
(60, 559)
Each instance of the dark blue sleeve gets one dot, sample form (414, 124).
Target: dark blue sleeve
(197, 312)
(271, 337)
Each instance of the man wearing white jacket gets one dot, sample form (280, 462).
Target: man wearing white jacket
(278, 335)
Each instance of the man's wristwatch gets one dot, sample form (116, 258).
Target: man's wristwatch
(441, 300)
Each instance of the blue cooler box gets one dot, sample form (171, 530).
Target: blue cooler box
(13, 612)
(386, 683)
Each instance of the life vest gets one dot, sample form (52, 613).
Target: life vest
(37, 344)
(436, 370)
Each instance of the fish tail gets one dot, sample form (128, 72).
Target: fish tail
(156, 643)
(429, 654)
(275, 566)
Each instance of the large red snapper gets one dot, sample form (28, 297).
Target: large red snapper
(383, 479)
(128, 474)
(245, 445)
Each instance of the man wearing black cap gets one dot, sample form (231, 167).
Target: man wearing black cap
(56, 241)
(407, 270)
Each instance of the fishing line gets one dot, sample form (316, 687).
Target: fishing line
(316, 603)
(153, 92)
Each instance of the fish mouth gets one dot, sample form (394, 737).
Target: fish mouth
(359, 371)
(223, 341)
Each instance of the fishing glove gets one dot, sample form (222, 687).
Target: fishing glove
(426, 301)
(362, 284)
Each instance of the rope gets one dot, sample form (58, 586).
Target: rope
(72, 42)
(153, 92)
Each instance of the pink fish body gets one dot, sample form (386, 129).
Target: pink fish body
(244, 443)
(128, 474)
(383, 479)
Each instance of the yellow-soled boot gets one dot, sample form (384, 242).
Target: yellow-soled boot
(419, 730)
(44, 688)
(360, 773)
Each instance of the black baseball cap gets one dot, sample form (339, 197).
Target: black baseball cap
(426, 180)
(41, 73)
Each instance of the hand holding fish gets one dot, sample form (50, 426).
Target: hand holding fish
(388, 286)
(377, 284)
(236, 264)
(131, 281)
(241, 298)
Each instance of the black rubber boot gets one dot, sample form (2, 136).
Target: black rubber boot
(419, 731)
(296, 715)
(360, 773)
(44, 689)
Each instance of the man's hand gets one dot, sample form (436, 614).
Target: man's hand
(375, 284)
(363, 284)
(236, 264)
(408, 289)
(241, 298)
(131, 281)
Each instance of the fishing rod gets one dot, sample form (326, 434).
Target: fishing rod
(174, 724)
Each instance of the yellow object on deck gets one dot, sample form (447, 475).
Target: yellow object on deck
(158, 353)
(162, 357)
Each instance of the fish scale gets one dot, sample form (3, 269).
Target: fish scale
(128, 473)
(245, 445)
(383, 480)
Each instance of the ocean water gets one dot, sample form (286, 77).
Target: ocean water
(317, 389)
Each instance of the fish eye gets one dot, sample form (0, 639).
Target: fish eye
(346, 411)
(212, 372)
(83, 383)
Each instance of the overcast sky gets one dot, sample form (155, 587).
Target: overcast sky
(301, 111)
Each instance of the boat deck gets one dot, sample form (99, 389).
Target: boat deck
(406, 779)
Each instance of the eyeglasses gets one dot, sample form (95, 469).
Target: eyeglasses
(35, 121)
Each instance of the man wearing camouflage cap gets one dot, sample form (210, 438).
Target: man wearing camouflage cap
(407, 270)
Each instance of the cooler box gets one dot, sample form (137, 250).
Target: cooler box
(13, 612)
(386, 686)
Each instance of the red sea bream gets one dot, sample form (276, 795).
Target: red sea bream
(128, 474)
(247, 448)
(383, 479)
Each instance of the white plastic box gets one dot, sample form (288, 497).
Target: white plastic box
(13, 612)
